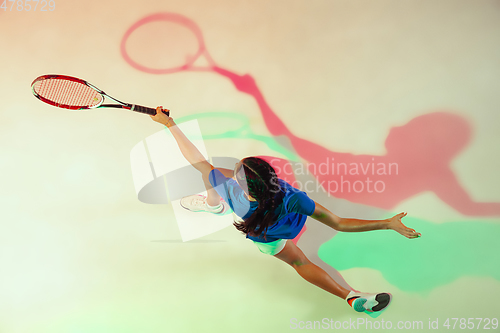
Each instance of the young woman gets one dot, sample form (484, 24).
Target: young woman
(271, 213)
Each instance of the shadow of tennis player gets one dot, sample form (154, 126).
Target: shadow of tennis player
(418, 156)
(418, 159)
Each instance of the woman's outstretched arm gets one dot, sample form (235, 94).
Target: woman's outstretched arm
(355, 225)
(191, 153)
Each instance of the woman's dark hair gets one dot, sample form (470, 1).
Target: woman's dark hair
(262, 184)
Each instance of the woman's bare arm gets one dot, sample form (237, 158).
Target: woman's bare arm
(356, 225)
(188, 149)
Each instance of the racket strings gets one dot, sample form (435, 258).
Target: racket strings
(67, 92)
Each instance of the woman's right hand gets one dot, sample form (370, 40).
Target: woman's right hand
(161, 117)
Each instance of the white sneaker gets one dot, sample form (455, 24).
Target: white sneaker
(198, 203)
(362, 302)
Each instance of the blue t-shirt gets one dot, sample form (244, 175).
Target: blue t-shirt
(291, 213)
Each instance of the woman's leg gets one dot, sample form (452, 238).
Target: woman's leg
(294, 256)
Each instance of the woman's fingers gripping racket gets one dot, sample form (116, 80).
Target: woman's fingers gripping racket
(162, 116)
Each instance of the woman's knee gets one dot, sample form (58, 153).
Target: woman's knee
(292, 255)
(300, 261)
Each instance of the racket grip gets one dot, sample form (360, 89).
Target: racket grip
(144, 109)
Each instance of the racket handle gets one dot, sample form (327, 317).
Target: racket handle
(144, 109)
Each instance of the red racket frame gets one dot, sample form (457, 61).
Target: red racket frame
(121, 105)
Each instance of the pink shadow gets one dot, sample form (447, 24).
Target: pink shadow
(418, 156)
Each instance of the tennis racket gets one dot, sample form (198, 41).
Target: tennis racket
(71, 93)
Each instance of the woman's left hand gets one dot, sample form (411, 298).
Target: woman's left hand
(396, 225)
